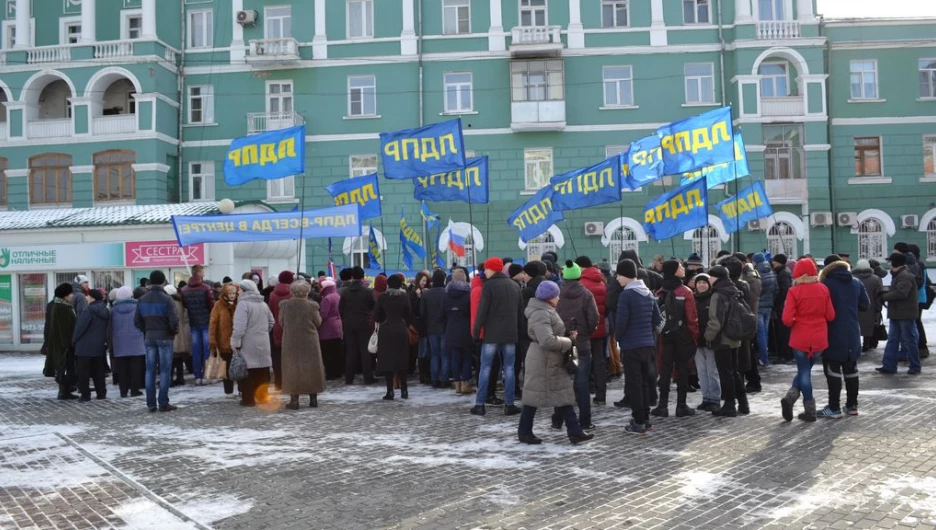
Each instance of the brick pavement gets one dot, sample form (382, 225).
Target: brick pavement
(359, 462)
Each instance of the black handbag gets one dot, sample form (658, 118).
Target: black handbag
(880, 333)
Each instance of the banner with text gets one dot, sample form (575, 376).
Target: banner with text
(750, 204)
(591, 186)
(429, 150)
(466, 185)
(536, 215)
(363, 191)
(644, 162)
(675, 212)
(697, 142)
(722, 173)
(339, 221)
(269, 156)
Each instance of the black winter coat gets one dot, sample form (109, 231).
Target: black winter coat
(702, 301)
(652, 279)
(848, 298)
(431, 310)
(901, 297)
(576, 301)
(873, 285)
(198, 300)
(769, 287)
(499, 311)
(156, 315)
(392, 312)
(90, 335)
(457, 308)
(784, 282)
(356, 306)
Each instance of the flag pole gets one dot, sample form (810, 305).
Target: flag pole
(301, 213)
(383, 260)
(474, 262)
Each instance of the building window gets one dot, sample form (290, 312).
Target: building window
(537, 80)
(283, 189)
(539, 245)
(71, 31)
(622, 239)
(201, 181)
(458, 92)
(277, 22)
(706, 243)
(533, 13)
(200, 29)
(614, 13)
(9, 34)
(775, 80)
(783, 155)
(4, 185)
(872, 241)
(696, 12)
(50, 179)
(363, 165)
(114, 175)
(360, 19)
(538, 168)
(931, 241)
(456, 17)
(618, 86)
(359, 250)
(469, 258)
(770, 10)
(133, 26)
(864, 80)
(362, 95)
(201, 104)
(868, 156)
(928, 78)
(700, 83)
(929, 155)
(781, 239)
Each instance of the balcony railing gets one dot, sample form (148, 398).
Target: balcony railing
(258, 122)
(778, 29)
(787, 190)
(49, 128)
(526, 40)
(108, 50)
(121, 124)
(48, 54)
(538, 115)
(286, 49)
(783, 106)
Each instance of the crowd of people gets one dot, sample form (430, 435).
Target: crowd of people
(553, 332)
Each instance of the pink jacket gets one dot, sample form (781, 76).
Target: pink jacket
(331, 318)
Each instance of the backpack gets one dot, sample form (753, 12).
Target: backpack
(740, 321)
(672, 313)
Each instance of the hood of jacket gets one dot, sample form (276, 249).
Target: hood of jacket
(572, 289)
(593, 275)
(536, 305)
(250, 296)
(763, 268)
(631, 255)
(99, 310)
(282, 289)
(329, 290)
(122, 307)
(805, 267)
(476, 282)
(861, 274)
(837, 270)
(638, 285)
(195, 281)
(457, 288)
(726, 287)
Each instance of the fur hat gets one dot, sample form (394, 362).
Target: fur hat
(63, 290)
(514, 269)
(535, 268)
(286, 277)
(584, 262)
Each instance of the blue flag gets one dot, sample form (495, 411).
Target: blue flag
(363, 191)
(269, 156)
(722, 173)
(431, 219)
(675, 212)
(591, 186)
(407, 257)
(373, 249)
(697, 142)
(466, 185)
(429, 150)
(749, 204)
(644, 162)
(410, 238)
(436, 254)
(536, 215)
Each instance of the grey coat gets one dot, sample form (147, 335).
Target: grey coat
(253, 322)
(867, 320)
(546, 382)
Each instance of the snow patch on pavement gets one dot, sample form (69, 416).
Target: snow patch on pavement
(143, 514)
(208, 511)
(700, 484)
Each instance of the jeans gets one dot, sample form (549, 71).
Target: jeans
(803, 379)
(439, 359)
(763, 322)
(902, 334)
(199, 351)
(158, 352)
(566, 413)
(726, 360)
(488, 352)
(580, 385)
(639, 376)
(461, 363)
(708, 375)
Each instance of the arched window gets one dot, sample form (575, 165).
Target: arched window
(468, 260)
(50, 179)
(537, 246)
(113, 176)
(4, 190)
(622, 239)
(706, 243)
(872, 240)
(359, 254)
(931, 240)
(781, 239)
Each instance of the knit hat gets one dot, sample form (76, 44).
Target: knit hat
(495, 264)
(718, 272)
(63, 290)
(357, 273)
(394, 282)
(328, 283)
(831, 258)
(863, 264)
(897, 259)
(535, 268)
(514, 269)
(740, 256)
(694, 259)
(780, 258)
(901, 247)
(734, 266)
(571, 271)
(722, 253)
(627, 268)
(286, 277)
(248, 285)
(81, 278)
(670, 267)
(124, 293)
(344, 275)
(584, 262)
(549, 255)
(157, 278)
(604, 266)
(547, 290)
(702, 277)
(758, 258)
(96, 295)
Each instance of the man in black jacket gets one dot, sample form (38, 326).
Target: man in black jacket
(432, 313)
(356, 304)
(781, 332)
(198, 300)
(156, 317)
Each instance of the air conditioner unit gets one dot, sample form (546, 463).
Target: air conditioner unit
(847, 219)
(909, 221)
(758, 224)
(594, 228)
(820, 219)
(247, 17)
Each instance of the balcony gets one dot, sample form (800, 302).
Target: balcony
(778, 29)
(48, 54)
(49, 128)
(110, 50)
(121, 124)
(258, 122)
(537, 116)
(783, 106)
(273, 51)
(786, 191)
(535, 41)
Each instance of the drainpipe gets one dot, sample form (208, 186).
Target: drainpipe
(180, 89)
(736, 243)
(419, 53)
(828, 68)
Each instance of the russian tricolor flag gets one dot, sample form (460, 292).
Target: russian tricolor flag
(456, 243)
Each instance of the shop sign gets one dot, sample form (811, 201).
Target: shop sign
(6, 309)
(159, 254)
(53, 257)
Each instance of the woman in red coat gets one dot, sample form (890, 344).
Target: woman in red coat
(807, 312)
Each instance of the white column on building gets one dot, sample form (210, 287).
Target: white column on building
(320, 40)
(23, 37)
(149, 19)
(88, 25)
(238, 47)
(657, 25)
(408, 44)
(743, 12)
(497, 40)
(805, 11)
(576, 30)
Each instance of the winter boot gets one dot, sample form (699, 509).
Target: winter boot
(293, 402)
(787, 403)
(727, 410)
(743, 407)
(683, 411)
(662, 410)
(313, 400)
(809, 411)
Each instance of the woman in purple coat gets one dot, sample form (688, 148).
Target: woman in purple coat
(330, 334)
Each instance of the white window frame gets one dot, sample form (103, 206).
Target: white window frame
(459, 88)
(469, 253)
(206, 97)
(773, 78)
(278, 190)
(367, 25)
(695, 13)
(931, 241)
(533, 10)
(624, 238)
(614, 19)
(10, 25)
(552, 72)
(360, 165)
(614, 150)
(267, 18)
(64, 24)
(862, 96)
(781, 4)
(781, 239)
(929, 146)
(617, 81)
(206, 175)
(362, 89)
(539, 245)
(545, 167)
(713, 241)
(453, 8)
(880, 150)
(879, 253)
(929, 66)
(125, 16)
(704, 98)
(207, 27)
(281, 97)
